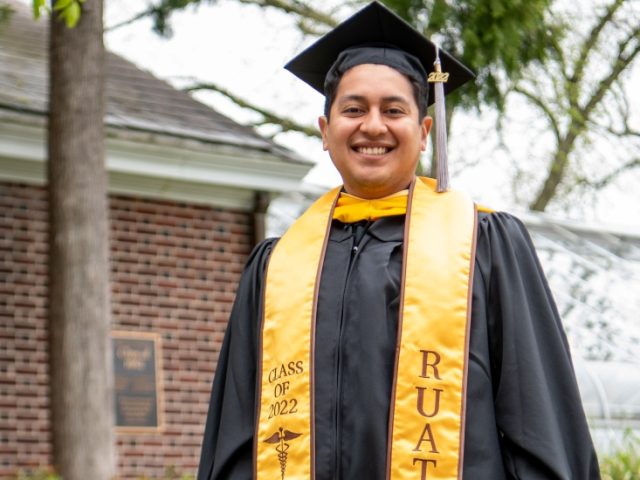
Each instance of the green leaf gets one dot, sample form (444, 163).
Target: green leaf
(61, 4)
(39, 6)
(72, 14)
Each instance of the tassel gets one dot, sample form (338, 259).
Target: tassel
(442, 170)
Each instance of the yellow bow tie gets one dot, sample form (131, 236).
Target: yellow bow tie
(351, 209)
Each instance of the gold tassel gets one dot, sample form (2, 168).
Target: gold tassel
(438, 78)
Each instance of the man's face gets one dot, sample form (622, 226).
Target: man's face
(374, 136)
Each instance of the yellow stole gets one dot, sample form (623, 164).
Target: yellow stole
(426, 419)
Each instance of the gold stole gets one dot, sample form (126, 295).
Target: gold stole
(426, 421)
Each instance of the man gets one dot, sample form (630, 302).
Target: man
(394, 331)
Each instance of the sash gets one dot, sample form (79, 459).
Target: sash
(426, 418)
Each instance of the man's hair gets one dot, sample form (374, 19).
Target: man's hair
(420, 95)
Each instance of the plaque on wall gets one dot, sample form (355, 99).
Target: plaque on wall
(138, 390)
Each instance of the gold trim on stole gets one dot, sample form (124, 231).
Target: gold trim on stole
(426, 422)
(432, 339)
(284, 442)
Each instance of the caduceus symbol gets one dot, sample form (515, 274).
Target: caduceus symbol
(280, 438)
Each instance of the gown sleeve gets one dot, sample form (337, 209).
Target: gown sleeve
(539, 414)
(228, 437)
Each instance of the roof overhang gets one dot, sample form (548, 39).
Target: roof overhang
(157, 165)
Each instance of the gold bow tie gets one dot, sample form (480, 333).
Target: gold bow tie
(351, 209)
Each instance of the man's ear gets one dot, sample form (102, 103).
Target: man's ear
(425, 127)
(323, 123)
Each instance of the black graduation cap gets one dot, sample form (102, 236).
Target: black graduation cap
(375, 25)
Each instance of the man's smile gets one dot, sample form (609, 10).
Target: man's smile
(372, 150)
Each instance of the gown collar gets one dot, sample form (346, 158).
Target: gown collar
(387, 229)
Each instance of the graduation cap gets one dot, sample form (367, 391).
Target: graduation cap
(377, 35)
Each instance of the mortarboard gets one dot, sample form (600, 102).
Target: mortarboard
(377, 35)
(374, 25)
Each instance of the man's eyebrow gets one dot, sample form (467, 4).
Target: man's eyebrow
(351, 98)
(394, 99)
(362, 98)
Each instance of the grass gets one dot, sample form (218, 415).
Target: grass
(624, 463)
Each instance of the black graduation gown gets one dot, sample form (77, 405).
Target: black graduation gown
(524, 415)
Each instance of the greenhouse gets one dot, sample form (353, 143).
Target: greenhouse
(595, 276)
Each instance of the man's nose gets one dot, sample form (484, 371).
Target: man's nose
(373, 123)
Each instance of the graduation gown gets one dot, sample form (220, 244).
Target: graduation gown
(524, 415)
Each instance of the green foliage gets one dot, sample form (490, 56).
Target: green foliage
(495, 38)
(39, 8)
(40, 474)
(624, 464)
(162, 10)
(5, 13)
(171, 474)
(67, 10)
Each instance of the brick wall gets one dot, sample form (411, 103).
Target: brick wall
(174, 272)
(24, 402)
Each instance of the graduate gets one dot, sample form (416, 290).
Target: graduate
(396, 331)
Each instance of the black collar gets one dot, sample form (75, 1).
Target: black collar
(386, 229)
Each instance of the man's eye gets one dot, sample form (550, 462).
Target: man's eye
(395, 111)
(352, 110)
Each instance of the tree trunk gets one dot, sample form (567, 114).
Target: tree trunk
(79, 310)
(557, 169)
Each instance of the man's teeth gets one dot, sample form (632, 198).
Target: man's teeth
(372, 150)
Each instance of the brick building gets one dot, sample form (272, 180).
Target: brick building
(187, 190)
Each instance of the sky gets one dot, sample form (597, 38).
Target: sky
(243, 48)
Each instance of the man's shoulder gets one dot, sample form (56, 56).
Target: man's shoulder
(503, 238)
(500, 220)
(260, 254)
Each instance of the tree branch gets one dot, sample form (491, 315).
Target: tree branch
(268, 117)
(304, 11)
(620, 65)
(307, 15)
(604, 181)
(591, 41)
(625, 132)
(556, 48)
(138, 16)
(542, 106)
(580, 116)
